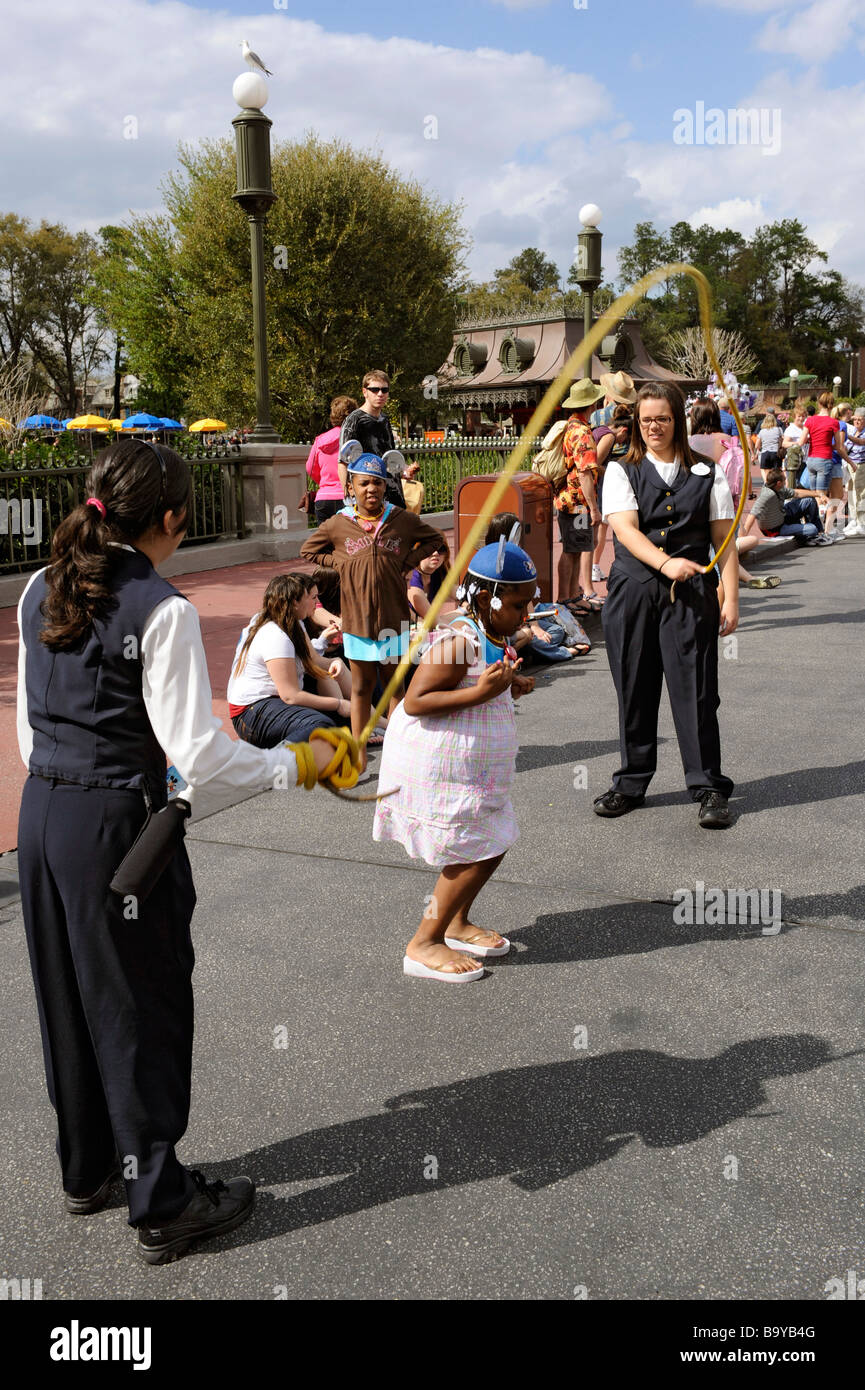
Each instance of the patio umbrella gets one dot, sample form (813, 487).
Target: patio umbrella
(87, 422)
(142, 421)
(115, 424)
(5, 424)
(40, 422)
(207, 426)
(168, 424)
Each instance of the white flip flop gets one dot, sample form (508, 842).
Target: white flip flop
(426, 972)
(478, 950)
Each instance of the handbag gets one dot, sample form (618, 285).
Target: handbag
(414, 495)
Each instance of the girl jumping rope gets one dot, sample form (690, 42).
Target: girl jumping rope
(450, 751)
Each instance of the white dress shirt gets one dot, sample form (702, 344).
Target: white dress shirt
(219, 770)
(619, 496)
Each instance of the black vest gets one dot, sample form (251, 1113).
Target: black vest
(85, 706)
(674, 516)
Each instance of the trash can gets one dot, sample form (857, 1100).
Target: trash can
(529, 497)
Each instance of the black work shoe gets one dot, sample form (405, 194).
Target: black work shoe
(86, 1206)
(215, 1208)
(614, 803)
(714, 811)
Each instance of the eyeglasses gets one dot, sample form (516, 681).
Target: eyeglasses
(378, 390)
(660, 422)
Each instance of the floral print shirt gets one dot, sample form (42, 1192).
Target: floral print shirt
(579, 451)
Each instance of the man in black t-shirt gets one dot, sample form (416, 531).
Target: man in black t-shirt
(370, 426)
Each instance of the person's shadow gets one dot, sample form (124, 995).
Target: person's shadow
(534, 1125)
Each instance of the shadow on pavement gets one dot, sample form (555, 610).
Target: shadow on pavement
(554, 755)
(857, 615)
(798, 788)
(850, 903)
(602, 933)
(535, 1125)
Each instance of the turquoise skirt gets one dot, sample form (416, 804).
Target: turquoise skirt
(389, 649)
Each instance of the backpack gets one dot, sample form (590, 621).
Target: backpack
(550, 459)
(733, 463)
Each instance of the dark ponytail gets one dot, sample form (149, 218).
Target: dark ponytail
(136, 483)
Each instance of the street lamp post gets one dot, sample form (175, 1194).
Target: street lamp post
(589, 264)
(255, 195)
(794, 461)
(836, 382)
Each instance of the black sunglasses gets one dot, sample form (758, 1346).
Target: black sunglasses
(381, 390)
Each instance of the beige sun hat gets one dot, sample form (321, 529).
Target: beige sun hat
(620, 386)
(583, 393)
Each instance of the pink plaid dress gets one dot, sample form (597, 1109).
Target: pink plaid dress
(454, 773)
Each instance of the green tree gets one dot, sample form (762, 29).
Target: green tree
(67, 338)
(532, 269)
(361, 271)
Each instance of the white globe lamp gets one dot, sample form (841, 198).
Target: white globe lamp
(590, 214)
(250, 91)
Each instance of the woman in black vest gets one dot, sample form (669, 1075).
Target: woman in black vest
(667, 506)
(112, 677)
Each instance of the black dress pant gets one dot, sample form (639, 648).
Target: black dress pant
(647, 638)
(114, 993)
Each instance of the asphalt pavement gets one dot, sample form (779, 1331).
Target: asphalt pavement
(640, 1102)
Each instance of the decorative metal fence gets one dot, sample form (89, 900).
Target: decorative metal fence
(444, 463)
(34, 499)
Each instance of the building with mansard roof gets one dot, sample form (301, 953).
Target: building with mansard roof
(500, 365)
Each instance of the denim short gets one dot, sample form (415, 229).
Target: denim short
(823, 472)
(268, 723)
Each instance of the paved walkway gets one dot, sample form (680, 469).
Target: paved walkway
(640, 1102)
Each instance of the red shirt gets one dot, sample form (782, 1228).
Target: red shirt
(822, 429)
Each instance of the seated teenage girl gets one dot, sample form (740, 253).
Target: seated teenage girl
(277, 691)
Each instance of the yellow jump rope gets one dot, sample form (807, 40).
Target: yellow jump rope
(342, 770)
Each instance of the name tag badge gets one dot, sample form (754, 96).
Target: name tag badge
(701, 468)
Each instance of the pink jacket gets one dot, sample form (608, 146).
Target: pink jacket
(322, 465)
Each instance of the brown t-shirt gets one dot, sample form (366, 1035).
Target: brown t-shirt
(373, 566)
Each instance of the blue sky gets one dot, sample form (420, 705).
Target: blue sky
(539, 108)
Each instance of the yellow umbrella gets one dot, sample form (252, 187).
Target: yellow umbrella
(5, 425)
(88, 422)
(115, 424)
(205, 426)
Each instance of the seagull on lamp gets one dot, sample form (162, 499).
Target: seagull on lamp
(253, 61)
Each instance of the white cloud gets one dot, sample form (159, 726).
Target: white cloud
(739, 214)
(824, 28)
(521, 141)
(815, 178)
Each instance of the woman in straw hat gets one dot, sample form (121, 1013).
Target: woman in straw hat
(576, 502)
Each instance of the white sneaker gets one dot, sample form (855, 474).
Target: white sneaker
(822, 539)
(597, 576)
(852, 529)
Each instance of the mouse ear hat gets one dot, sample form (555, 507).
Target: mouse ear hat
(500, 563)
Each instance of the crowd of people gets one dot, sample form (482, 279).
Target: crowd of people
(113, 683)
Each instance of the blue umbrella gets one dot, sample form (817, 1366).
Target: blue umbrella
(64, 423)
(34, 422)
(170, 424)
(142, 422)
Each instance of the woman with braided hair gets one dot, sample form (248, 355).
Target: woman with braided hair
(112, 679)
